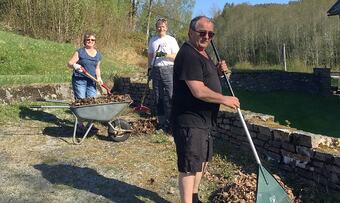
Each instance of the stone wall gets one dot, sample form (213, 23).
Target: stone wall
(32, 92)
(136, 91)
(314, 157)
(318, 82)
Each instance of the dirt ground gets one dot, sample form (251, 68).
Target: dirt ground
(39, 163)
(41, 168)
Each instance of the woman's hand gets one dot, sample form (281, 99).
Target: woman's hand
(100, 81)
(77, 67)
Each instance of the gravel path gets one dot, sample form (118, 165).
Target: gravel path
(39, 163)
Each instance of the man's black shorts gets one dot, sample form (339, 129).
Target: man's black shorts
(193, 147)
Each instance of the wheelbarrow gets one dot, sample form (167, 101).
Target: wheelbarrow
(118, 129)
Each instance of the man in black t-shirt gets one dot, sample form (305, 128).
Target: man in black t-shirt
(196, 99)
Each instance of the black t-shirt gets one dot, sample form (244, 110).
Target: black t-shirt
(187, 110)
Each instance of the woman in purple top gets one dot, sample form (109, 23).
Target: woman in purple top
(89, 58)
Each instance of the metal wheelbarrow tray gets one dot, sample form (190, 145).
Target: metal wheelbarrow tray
(118, 129)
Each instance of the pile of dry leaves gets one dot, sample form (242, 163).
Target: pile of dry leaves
(243, 188)
(144, 126)
(114, 97)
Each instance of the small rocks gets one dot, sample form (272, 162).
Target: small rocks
(151, 181)
(172, 190)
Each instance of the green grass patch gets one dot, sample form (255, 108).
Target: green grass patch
(9, 113)
(24, 60)
(311, 113)
(160, 138)
(335, 82)
(292, 66)
(249, 66)
(15, 112)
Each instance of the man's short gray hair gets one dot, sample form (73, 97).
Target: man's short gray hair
(162, 20)
(193, 22)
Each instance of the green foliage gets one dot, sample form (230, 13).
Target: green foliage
(66, 21)
(9, 113)
(302, 111)
(24, 60)
(18, 111)
(222, 165)
(246, 34)
(178, 18)
(295, 65)
(249, 66)
(160, 138)
(112, 20)
(256, 34)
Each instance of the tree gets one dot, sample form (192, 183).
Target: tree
(255, 34)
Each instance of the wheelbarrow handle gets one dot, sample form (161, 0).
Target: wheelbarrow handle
(86, 73)
(51, 107)
(50, 100)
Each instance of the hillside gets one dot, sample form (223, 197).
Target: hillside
(24, 60)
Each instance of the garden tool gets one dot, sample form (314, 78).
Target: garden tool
(141, 107)
(87, 74)
(268, 190)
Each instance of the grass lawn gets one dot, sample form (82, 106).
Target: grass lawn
(311, 113)
(24, 60)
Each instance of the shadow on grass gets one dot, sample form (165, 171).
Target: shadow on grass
(64, 127)
(89, 180)
(306, 191)
(29, 113)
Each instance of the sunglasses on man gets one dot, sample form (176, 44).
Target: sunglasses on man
(204, 33)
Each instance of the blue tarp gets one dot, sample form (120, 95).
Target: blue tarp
(335, 9)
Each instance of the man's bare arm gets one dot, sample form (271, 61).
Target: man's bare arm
(202, 92)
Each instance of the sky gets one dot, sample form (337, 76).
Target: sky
(206, 7)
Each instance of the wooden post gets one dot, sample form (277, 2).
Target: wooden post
(284, 56)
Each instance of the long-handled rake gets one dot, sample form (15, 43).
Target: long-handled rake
(87, 74)
(268, 190)
(141, 107)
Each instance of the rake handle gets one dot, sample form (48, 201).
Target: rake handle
(94, 79)
(238, 109)
(148, 75)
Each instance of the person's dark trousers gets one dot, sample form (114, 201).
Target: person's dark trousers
(162, 84)
(195, 198)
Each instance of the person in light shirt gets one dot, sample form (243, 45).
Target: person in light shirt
(162, 51)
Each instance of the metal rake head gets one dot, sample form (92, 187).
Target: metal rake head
(142, 108)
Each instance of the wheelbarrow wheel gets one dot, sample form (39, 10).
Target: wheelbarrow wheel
(121, 130)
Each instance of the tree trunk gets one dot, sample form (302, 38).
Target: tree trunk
(148, 23)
